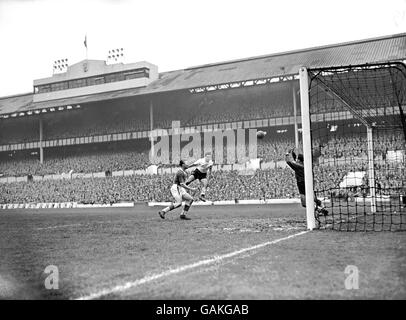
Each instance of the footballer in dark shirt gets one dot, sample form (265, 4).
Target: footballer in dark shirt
(298, 167)
(178, 191)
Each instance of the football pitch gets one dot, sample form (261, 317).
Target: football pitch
(224, 252)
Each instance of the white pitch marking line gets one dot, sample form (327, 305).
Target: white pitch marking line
(80, 224)
(60, 226)
(169, 272)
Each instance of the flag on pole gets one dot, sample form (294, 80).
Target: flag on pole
(85, 42)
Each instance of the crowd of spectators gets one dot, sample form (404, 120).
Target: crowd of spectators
(224, 185)
(270, 150)
(355, 145)
(324, 104)
(88, 163)
(77, 161)
(391, 176)
(134, 156)
(329, 177)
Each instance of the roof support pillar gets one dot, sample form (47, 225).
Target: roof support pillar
(151, 121)
(295, 115)
(41, 148)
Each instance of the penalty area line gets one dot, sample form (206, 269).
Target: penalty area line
(218, 258)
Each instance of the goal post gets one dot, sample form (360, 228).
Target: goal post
(307, 147)
(371, 168)
(354, 145)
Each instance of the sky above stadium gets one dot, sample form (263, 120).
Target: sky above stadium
(177, 34)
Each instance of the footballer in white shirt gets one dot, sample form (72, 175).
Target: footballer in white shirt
(203, 168)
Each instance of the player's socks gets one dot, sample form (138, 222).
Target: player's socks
(167, 209)
(171, 207)
(202, 197)
(185, 210)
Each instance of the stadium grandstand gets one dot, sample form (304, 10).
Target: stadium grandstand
(83, 135)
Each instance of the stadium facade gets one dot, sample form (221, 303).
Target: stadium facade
(96, 106)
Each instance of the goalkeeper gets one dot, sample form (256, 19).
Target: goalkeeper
(298, 166)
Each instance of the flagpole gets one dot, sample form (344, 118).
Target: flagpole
(85, 42)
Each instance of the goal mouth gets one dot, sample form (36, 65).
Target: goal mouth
(357, 145)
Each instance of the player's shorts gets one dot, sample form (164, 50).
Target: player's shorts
(301, 187)
(199, 175)
(178, 192)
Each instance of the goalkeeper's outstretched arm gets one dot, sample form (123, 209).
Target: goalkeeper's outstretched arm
(294, 156)
(292, 153)
(293, 164)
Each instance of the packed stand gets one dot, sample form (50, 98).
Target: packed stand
(83, 161)
(356, 145)
(224, 185)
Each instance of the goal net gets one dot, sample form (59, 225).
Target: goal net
(354, 145)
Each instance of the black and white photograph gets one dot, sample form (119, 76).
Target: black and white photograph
(216, 152)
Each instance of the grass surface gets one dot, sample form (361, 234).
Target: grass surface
(98, 249)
